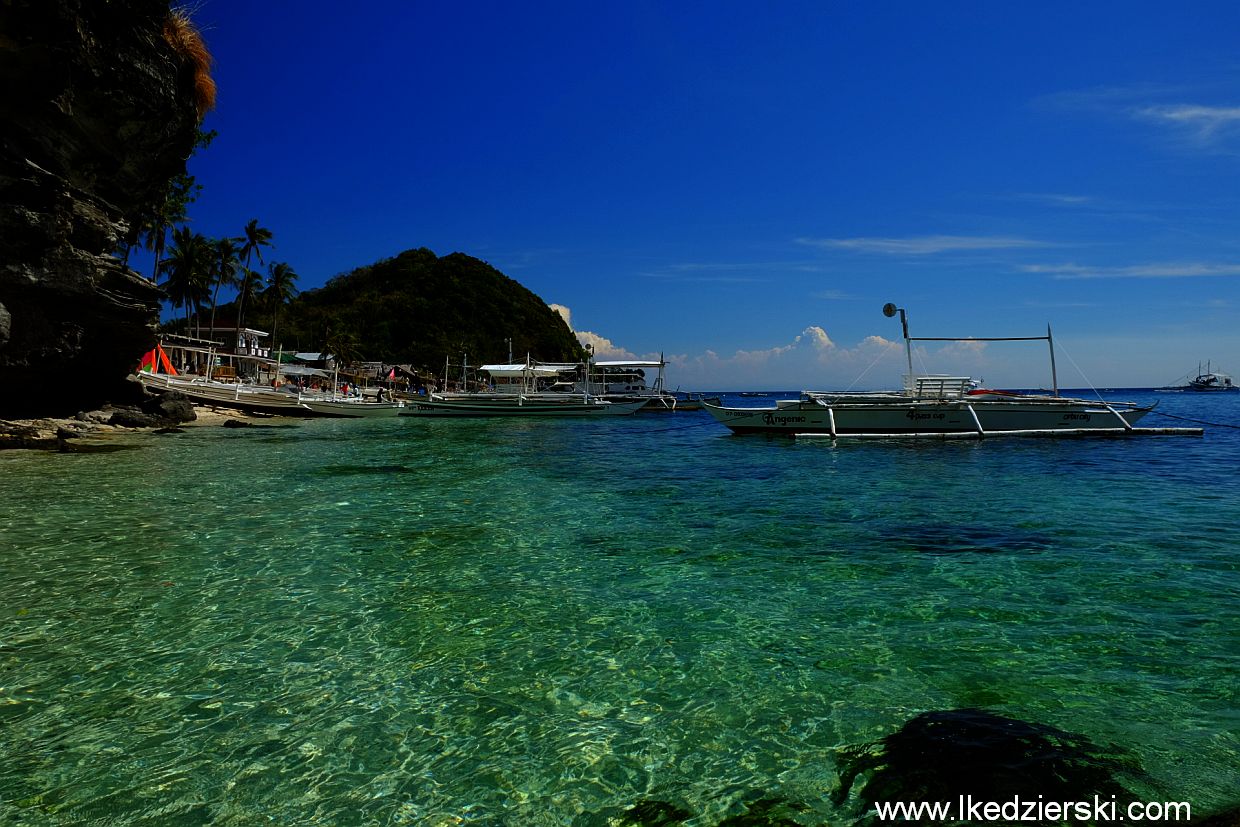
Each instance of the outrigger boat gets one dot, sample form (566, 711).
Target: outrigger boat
(158, 374)
(353, 408)
(1206, 381)
(519, 406)
(240, 387)
(936, 406)
(518, 389)
(1211, 381)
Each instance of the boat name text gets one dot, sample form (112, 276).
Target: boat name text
(781, 419)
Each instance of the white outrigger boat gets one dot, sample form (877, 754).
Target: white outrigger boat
(158, 375)
(1211, 381)
(521, 389)
(353, 408)
(510, 405)
(934, 406)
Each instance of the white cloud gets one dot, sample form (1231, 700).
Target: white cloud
(809, 360)
(1056, 199)
(922, 245)
(604, 348)
(965, 347)
(1201, 126)
(1165, 270)
(1205, 124)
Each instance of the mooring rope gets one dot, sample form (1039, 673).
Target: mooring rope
(1197, 421)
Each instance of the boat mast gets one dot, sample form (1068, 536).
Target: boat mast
(1051, 344)
(590, 372)
(890, 310)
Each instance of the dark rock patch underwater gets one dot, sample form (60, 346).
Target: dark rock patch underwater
(945, 754)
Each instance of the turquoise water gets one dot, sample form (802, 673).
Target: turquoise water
(546, 623)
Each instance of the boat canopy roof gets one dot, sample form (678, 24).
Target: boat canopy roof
(521, 370)
(302, 370)
(629, 364)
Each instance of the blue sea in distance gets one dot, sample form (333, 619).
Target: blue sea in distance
(507, 622)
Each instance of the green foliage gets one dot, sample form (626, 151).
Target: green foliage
(188, 270)
(225, 269)
(281, 289)
(255, 238)
(418, 308)
(343, 346)
(150, 227)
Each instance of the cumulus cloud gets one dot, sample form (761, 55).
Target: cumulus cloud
(811, 359)
(604, 348)
(964, 347)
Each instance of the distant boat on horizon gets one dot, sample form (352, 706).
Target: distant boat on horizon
(1208, 381)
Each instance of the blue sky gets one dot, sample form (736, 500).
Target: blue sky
(741, 186)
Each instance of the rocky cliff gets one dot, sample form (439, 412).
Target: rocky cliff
(100, 110)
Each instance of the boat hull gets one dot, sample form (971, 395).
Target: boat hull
(227, 395)
(917, 417)
(456, 408)
(354, 410)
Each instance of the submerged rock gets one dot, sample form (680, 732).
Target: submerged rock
(943, 755)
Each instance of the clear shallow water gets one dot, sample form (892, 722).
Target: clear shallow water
(344, 622)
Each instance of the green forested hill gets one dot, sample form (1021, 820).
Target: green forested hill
(419, 308)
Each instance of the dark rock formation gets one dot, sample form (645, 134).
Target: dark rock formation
(160, 411)
(172, 408)
(98, 113)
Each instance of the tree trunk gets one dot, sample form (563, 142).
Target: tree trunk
(159, 254)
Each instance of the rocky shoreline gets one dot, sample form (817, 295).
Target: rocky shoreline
(163, 414)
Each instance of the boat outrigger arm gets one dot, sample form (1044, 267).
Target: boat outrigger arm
(890, 310)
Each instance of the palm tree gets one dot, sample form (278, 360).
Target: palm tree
(255, 239)
(224, 269)
(343, 347)
(154, 231)
(188, 266)
(151, 227)
(250, 282)
(280, 291)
